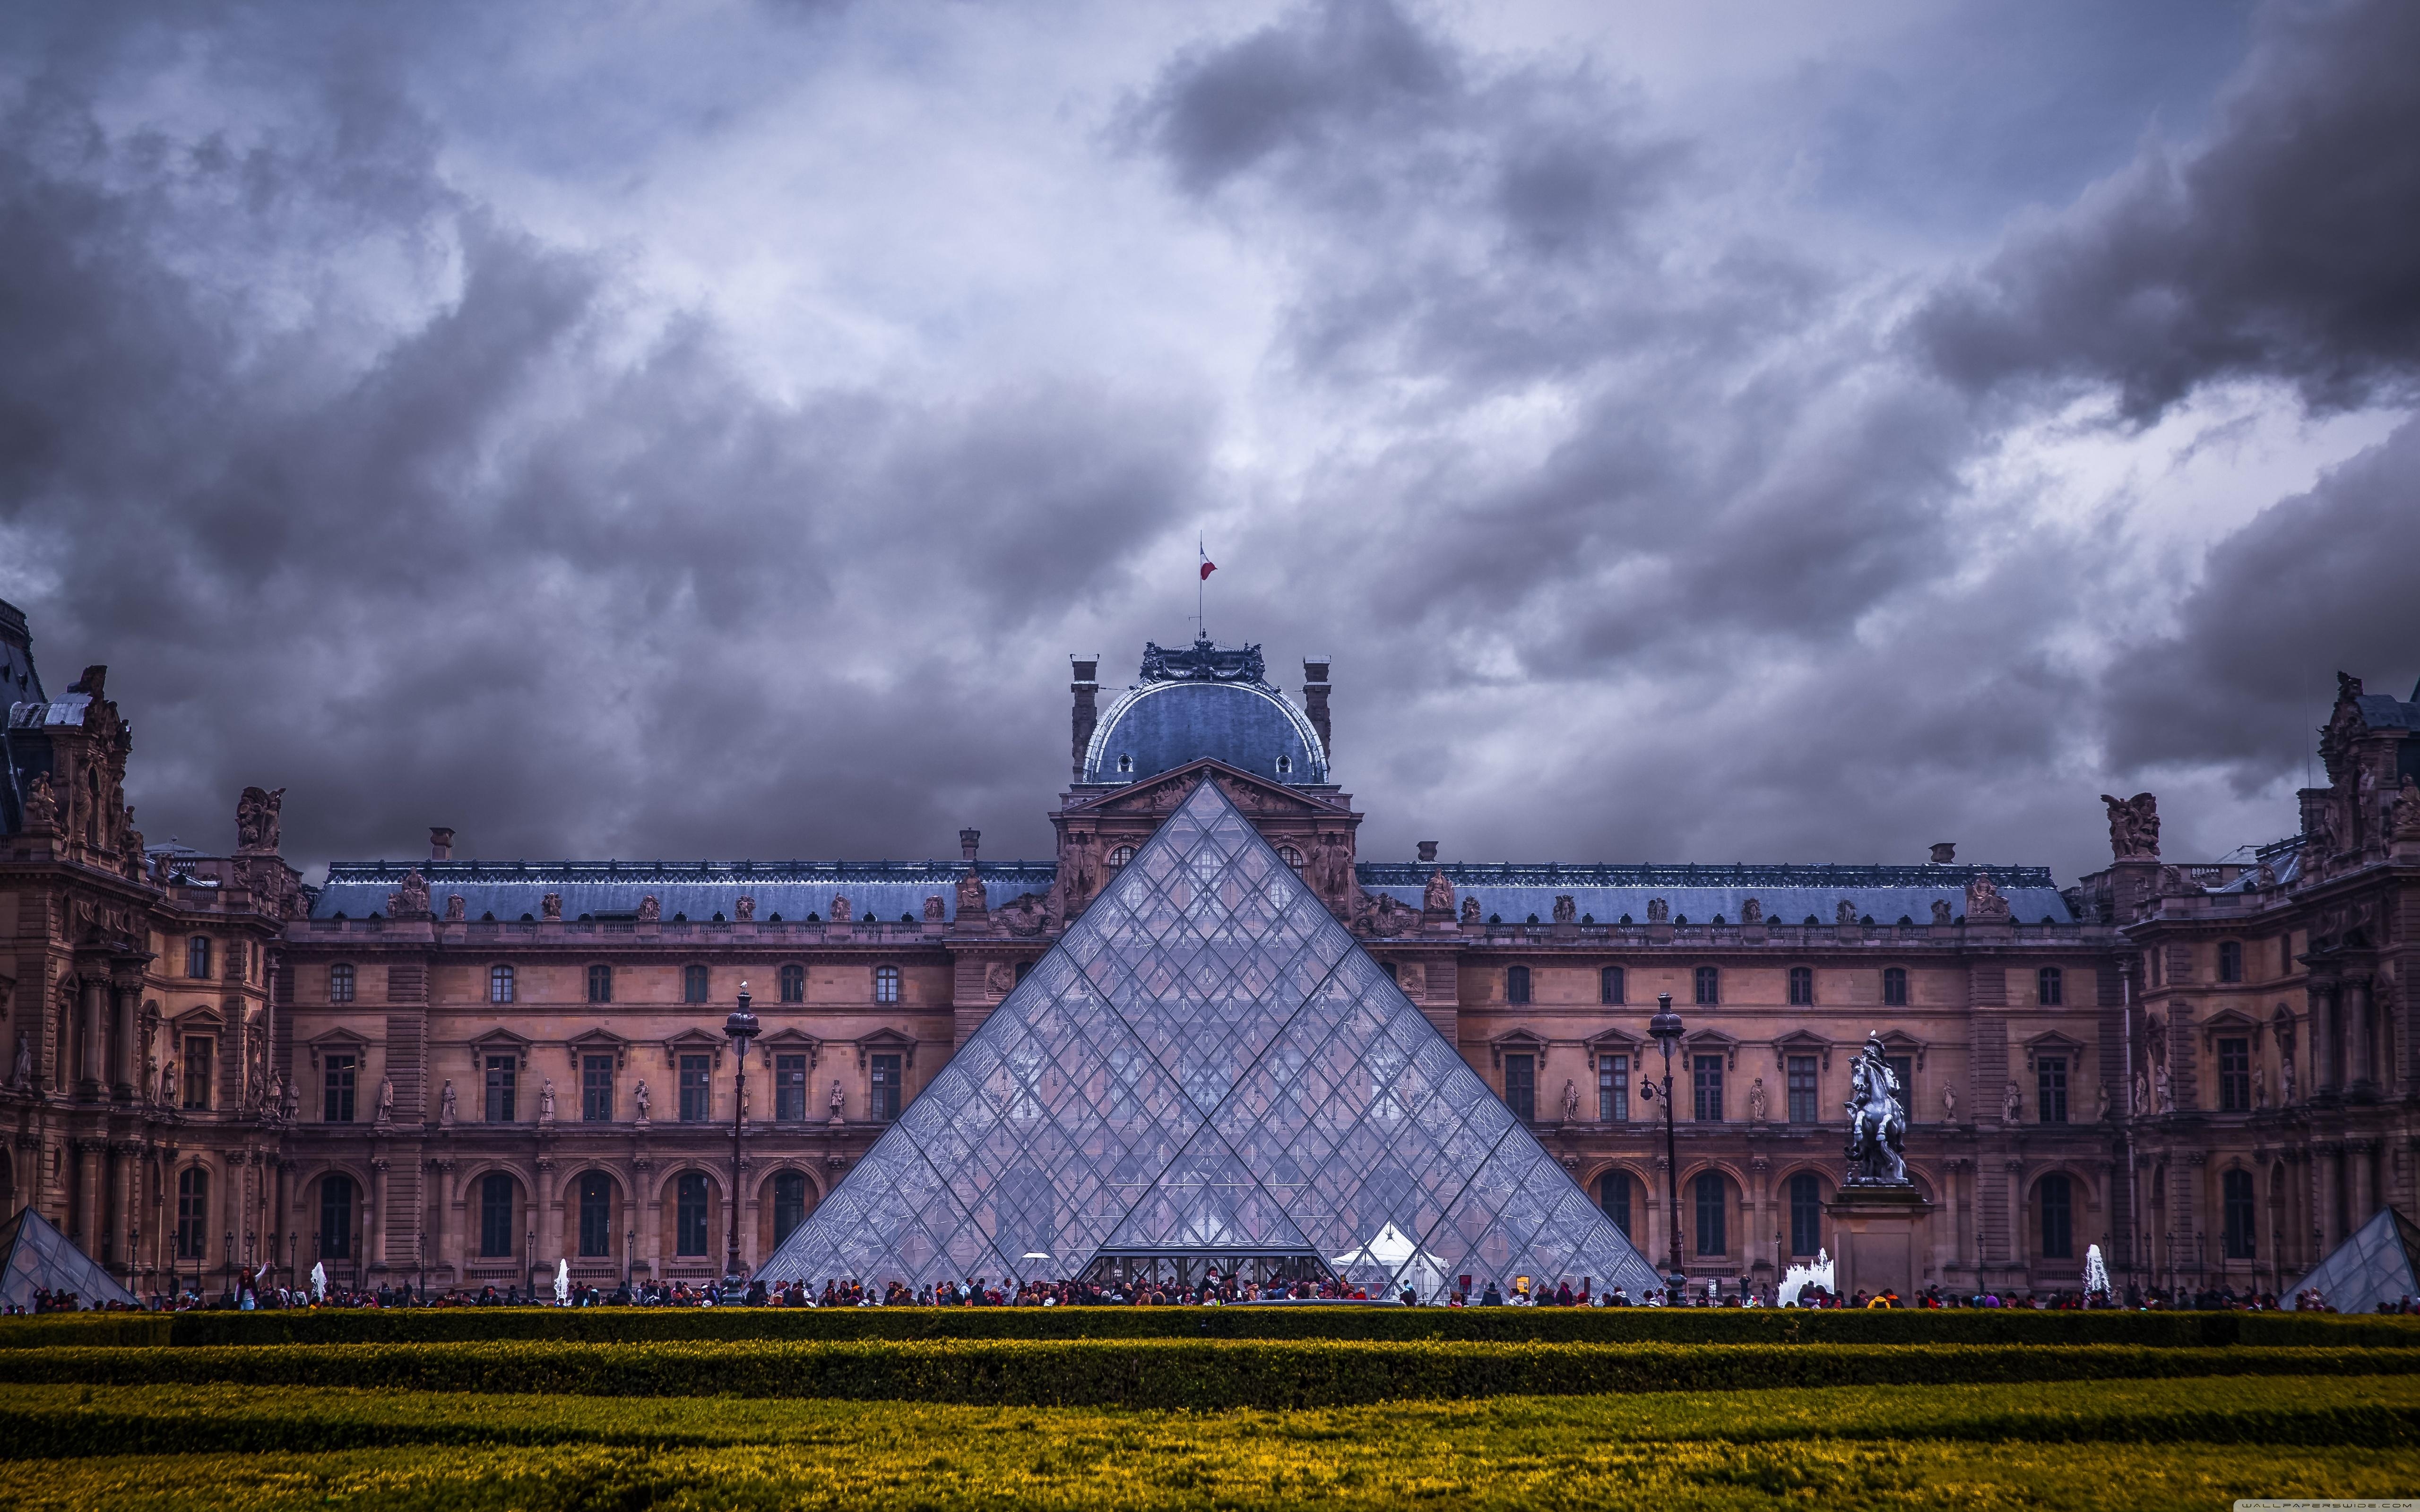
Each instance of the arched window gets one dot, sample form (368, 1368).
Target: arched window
(1895, 986)
(1802, 986)
(500, 984)
(794, 984)
(600, 984)
(2235, 1202)
(1285, 765)
(1516, 985)
(886, 984)
(2230, 960)
(595, 1215)
(2052, 986)
(1126, 763)
(688, 1208)
(197, 957)
(1613, 1196)
(340, 984)
(2057, 1217)
(789, 1204)
(1805, 1213)
(193, 1211)
(336, 1217)
(1610, 985)
(1120, 857)
(1714, 1231)
(693, 984)
(1710, 982)
(495, 1216)
(1289, 857)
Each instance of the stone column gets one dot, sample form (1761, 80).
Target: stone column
(125, 1162)
(1952, 1254)
(2359, 1032)
(2361, 1181)
(2019, 1248)
(439, 1211)
(651, 1213)
(374, 1239)
(88, 1229)
(549, 1219)
(93, 1008)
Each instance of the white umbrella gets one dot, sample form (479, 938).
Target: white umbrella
(318, 1282)
(562, 1283)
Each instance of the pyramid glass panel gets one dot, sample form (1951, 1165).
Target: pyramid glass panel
(1208, 1070)
(2378, 1264)
(35, 1256)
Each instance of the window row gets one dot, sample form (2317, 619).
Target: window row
(696, 983)
(501, 1100)
(204, 960)
(1706, 982)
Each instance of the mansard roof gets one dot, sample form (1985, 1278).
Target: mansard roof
(1789, 893)
(1206, 701)
(699, 889)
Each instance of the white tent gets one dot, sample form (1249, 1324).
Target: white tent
(1400, 1263)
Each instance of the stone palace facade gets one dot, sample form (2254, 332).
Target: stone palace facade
(460, 1071)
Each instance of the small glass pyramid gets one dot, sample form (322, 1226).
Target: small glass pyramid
(2378, 1264)
(1207, 1072)
(35, 1256)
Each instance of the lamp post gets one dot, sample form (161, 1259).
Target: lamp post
(741, 1027)
(1665, 1028)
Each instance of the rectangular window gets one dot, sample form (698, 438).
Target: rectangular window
(1714, 1230)
(1707, 1073)
(886, 1087)
(1516, 985)
(693, 984)
(2235, 1075)
(193, 1211)
(1521, 1086)
(596, 1215)
(337, 1091)
(689, 1215)
(495, 1216)
(500, 1089)
(597, 1089)
(197, 957)
(1805, 1213)
(600, 984)
(1895, 986)
(1709, 982)
(1802, 986)
(1610, 985)
(790, 1088)
(1613, 1089)
(500, 984)
(2235, 1196)
(2230, 960)
(340, 984)
(696, 1088)
(1802, 1089)
(336, 1217)
(789, 1204)
(2058, 1218)
(1613, 1194)
(2050, 985)
(2050, 1089)
(198, 1073)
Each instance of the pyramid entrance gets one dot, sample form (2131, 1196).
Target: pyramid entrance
(1208, 1073)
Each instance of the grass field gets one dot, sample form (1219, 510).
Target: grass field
(2017, 1426)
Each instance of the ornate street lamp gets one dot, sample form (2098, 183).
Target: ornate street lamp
(741, 1027)
(1665, 1028)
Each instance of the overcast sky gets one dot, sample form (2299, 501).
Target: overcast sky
(1736, 431)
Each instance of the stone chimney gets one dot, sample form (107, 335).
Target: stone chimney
(1944, 853)
(1087, 689)
(1428, 852)
(1314, 701)
(967, 841)
(441, 843)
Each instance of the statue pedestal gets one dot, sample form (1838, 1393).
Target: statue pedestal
(1878, 1238)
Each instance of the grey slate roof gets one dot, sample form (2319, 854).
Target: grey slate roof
(700, 890)
(1159, 726)
(1789, 893)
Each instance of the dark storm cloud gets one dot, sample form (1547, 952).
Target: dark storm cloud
(474, 567)
(2318, 583)
(2285, 246)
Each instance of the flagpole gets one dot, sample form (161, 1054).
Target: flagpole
(1201, 588)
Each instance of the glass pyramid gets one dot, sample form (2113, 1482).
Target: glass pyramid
(2378, 1264)
(35, 1256)
(1208, 1072)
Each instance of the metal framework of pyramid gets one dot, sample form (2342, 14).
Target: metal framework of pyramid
(2380, 1263)
(35, 1256)
(1207, 1071)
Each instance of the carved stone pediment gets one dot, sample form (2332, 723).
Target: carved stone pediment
(2054, 1044)
(1802, 1042)
(598, 1042)
(1257, 796)
(887, 1041)
(1514, 1041)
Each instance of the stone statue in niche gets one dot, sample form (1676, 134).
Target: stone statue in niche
(1658, 911)
(41, 805)
(2286, 1080)
(651, 909)
(276, 1092)
(2133, 828)
(745, 909)
(641, 1098)
(1469, 910)
(21, 1073)
(1844, 915)
(1000, 977)
(386, 1099)
(1566, 910)
(1436, 896)
(1383, 914)
(1751, 912)
(970, 894)
(2260, 1089)
(550, 907)
(935, 910)
(2407, 810)
(839, 1102)
(290, 1104)
(446, 1106)
(839, 913)
(2100, 1101)
(409, 898)
(1948, 1103)
(2012, 1104)
(2164, 1089)
(1756, 1105)
(256, 820)
(169, 1084)
(2142, 1096)
(1984, 903)
(1942, 912)
(1570, 1103)
(455, 908)
(1026, 912)
(545, 1102)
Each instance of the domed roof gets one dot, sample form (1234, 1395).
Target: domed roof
(1208, 700)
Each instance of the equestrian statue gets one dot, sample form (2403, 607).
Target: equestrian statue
(1877, 1120)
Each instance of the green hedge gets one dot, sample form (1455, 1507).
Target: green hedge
(1169, 1373)
(1708, 1325)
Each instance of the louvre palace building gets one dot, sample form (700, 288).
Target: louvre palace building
(458, 1071)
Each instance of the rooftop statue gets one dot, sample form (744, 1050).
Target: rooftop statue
(1203, 662)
